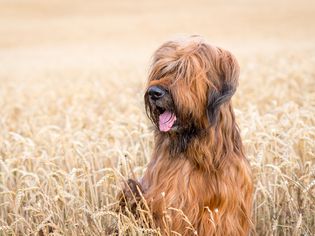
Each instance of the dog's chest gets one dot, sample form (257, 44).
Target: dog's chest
(175, 183)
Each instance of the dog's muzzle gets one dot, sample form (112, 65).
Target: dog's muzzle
(161, 102)
(156, 93)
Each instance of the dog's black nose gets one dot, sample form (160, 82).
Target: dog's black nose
(156, 92)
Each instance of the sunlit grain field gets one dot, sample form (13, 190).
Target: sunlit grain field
(72, 120)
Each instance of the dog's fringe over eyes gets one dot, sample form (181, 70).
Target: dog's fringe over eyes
(199, 162)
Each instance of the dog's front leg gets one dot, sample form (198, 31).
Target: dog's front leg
(131, 196)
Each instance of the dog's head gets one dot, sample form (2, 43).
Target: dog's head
(188, 85)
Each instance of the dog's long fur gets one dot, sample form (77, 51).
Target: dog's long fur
(199, 170)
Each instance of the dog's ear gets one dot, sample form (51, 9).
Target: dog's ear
(227, 83)
(216, 99)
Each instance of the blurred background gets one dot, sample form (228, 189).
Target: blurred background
(97, 32)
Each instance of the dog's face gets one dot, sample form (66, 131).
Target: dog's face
(188, 83)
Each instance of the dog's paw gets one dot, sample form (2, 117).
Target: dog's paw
(135, 188)
(131, 196)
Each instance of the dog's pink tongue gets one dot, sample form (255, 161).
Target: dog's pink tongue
(166, 121)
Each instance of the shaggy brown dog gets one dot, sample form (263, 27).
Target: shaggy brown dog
(198, 181)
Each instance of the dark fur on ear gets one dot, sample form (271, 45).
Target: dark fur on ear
(228, 79)
(216, 99)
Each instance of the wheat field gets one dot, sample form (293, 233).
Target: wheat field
(72, 121)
